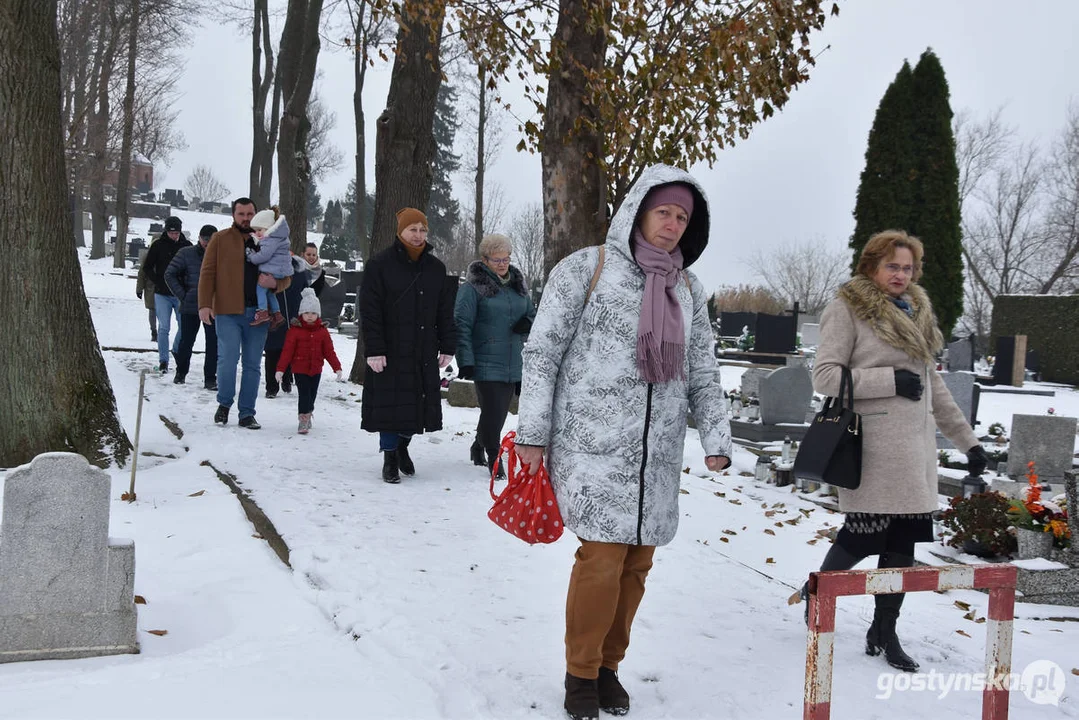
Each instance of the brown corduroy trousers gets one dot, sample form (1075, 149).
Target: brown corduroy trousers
(605, 589)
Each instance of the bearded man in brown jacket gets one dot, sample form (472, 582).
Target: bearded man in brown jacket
(227, 298)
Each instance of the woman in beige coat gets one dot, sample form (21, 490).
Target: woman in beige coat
(883, 328)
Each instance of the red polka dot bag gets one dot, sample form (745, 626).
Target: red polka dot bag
(527, 508)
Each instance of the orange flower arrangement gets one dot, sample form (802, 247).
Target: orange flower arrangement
(1034, 514)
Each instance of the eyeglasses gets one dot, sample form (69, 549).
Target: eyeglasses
(895, 269)
(498, 261)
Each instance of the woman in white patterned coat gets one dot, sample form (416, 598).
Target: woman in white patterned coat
(608, 380)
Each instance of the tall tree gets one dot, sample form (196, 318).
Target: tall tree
(404, 141)
(629, 83)
(885, 192)
(98, 126)
(56, 393)
(123, 182)
(314, 204)
(911, 181)
(368, 20)
(574, 184)
(265, 87)
(935, 217)
(443, 210)
(202, 184)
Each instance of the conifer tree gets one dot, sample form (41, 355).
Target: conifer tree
(911, 181)
(443, 211)
(935, 215)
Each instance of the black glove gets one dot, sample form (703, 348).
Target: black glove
(249, 243)
(138, 294)
(908, 384)
(466, 372)
(976, 460)
(522, 326)
(517, 388)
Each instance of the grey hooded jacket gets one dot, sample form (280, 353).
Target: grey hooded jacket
(615, 442)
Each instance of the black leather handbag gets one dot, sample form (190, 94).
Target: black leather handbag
(831, 451)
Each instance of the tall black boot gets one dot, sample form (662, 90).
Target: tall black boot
(404, 460)
(476, 453)
(390, 472)
(838, 558)
(882, 637)
(492, 458)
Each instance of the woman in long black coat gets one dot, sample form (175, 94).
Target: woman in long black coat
(406, 307)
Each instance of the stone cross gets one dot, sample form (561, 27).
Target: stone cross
(66, 588)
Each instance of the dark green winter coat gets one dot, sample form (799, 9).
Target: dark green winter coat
(486, 315)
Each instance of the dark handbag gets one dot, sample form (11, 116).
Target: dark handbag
(831, 451)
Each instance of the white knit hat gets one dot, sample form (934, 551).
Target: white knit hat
(309, 303)
(263, 219)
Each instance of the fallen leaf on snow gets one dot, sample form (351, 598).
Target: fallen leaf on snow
(769, 531)
(159, 633)
(724, 540)
(197, 494)
(770, 561)
(720, 494)
(729, 532)
(683, 491)
(962, 633)
(140, 600)
(962, 605)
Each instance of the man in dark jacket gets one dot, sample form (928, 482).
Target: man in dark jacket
(182, 277)
(158, 257)
(406, 302)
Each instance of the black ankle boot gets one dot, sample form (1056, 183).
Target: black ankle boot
(390, 472)
(476, 453)
(582, 698)
(404, 460)
(613, 698)
(882, 637)
(492, 458)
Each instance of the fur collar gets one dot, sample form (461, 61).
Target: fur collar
(487, 284)
(918, 337)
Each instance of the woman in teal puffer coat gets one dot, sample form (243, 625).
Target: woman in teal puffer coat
(493, 315)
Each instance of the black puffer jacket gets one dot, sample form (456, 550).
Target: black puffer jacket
(182, 277)
(158, 257)
(407, 315)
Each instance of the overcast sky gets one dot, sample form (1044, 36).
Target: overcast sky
(794, 179)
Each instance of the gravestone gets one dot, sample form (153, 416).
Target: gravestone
(731, 323)
(810, 334)
(785, 395)
(751, 381)
(963, 390)
(462, 393)
(961, 355)
(775, 333)
(1048, 440)
(66, 588)
(1009, 366)
(1071, 492)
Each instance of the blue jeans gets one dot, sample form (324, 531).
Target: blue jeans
(387, 441)
(267, 299)
(236, 337)
(165, 306)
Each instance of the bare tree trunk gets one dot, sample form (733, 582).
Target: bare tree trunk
(574, 188)
(481, 158)
(57, 358)
(296, 67)
(262, 83)
(359, 71)
(98, 128)
(404, 142)
(123, 184)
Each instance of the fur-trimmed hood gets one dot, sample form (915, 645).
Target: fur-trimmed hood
(919, 337)
(487, 283)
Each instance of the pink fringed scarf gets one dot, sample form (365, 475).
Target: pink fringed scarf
(661, 346)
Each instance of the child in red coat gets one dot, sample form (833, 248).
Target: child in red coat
(307, 346)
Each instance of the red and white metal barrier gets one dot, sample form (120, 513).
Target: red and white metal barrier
(825, 587)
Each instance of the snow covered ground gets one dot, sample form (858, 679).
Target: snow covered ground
(407, 602)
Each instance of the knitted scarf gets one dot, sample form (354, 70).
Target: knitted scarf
(661, 345)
